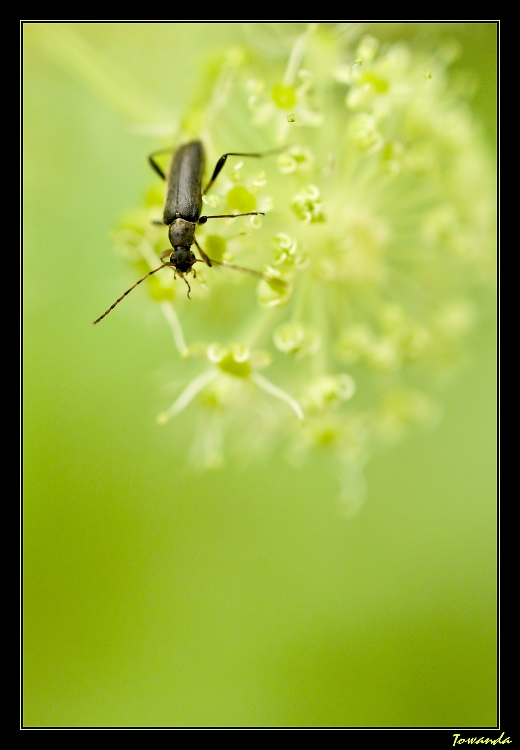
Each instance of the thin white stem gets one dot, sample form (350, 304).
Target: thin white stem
(187, 396)
(273, 390)
(295, 58)
(175, 327)
(167, 308)
(148, 254)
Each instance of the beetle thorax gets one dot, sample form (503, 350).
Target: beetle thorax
(181, 232)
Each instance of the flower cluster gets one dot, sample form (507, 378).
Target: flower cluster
(376, 248)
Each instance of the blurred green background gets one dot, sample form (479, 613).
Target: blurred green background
(156, 595)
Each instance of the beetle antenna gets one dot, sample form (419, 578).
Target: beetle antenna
(128, 292)
(258, 274)
(183, 277)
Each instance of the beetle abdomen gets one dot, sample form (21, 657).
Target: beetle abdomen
(184, 183)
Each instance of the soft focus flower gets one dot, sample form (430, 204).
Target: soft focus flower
(379, 225)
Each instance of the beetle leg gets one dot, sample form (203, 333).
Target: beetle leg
(203, 255)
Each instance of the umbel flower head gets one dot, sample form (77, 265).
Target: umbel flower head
(379, 227)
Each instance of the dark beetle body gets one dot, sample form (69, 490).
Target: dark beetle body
(183, 202)
(182, 207)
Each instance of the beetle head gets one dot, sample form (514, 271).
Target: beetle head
(182, 258)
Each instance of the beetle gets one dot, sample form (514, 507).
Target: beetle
(182, 212)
